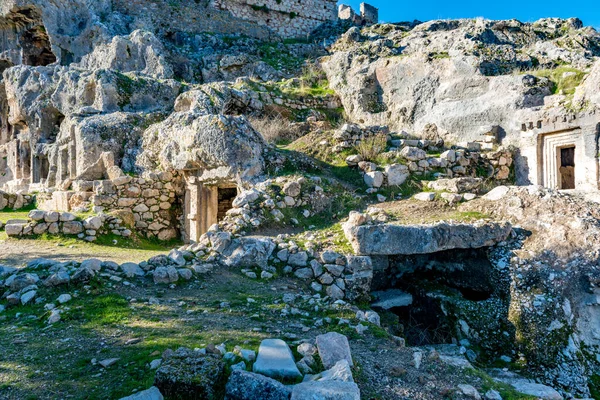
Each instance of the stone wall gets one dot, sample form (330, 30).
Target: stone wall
(40, 222)
(289, 18)
(152, 203)
(189, 16)
(15, 201)
(369, 15)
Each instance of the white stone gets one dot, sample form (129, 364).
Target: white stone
(333, 347)
(424, 196)
(64, 298)
(275, 360)
(374, 179)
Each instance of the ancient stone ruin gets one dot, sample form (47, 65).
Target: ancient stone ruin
(288, 200)
(289, 18)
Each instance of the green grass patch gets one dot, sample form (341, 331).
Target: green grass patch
(100, 311)
(7, 214)
(565, 79)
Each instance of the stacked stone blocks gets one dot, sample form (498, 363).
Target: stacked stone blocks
(288, 18)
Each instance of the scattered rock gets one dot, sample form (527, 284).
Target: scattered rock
(243, 385)
(326, 390)
(275, 360)
(333, 347)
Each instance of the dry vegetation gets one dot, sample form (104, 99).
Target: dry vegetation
(369, 148)
(275, 128)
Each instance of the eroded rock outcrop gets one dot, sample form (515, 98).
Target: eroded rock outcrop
(389, 239)
(455, 74)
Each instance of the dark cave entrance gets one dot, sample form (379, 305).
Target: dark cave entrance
(36, 47)
(226, 195)
(435, 281)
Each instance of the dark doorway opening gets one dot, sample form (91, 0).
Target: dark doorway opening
(36, 47)
(567, 168)
(226, 197)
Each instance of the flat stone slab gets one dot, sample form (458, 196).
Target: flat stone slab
(333, 347)
(326, 390)
(388, 239)
(275, 360)
(392, 298)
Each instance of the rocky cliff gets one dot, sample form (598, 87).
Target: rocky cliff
(465, 76)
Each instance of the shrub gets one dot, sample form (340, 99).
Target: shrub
(369, 148)
(275, 128)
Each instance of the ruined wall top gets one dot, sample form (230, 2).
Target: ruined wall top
(289, 18)
(369, 15)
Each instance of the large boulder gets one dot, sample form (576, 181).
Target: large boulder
(333, 347)
(388, 239)
(244, 385)
(249, 252)
(326, 390)
(187, 374)
(220, 147)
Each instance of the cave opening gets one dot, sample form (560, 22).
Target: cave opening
(436, 282)
(226, 195)
(36, 47)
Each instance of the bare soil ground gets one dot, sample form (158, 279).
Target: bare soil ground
(17, 252)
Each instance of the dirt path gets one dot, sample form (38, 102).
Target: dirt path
(18, 252)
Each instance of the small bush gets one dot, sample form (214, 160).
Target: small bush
(275, 128)
(369, 148)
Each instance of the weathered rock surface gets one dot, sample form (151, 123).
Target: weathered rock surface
(275, 360)
(224, 147)
(333, 347)
(189, 374)
(244, 385)
(249, 252)
(327, 390)
(454, 74)
(387, 239)
(149, 394)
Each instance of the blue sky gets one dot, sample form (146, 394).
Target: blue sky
(525, 10)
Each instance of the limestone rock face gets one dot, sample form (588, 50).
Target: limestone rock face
(140, 51)
(387, 239)
(589, 91)
(223, 147)
(455, 74)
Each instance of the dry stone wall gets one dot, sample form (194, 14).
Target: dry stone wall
(15, 201)
(150, 204)
(41, 222)
(289, 18)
